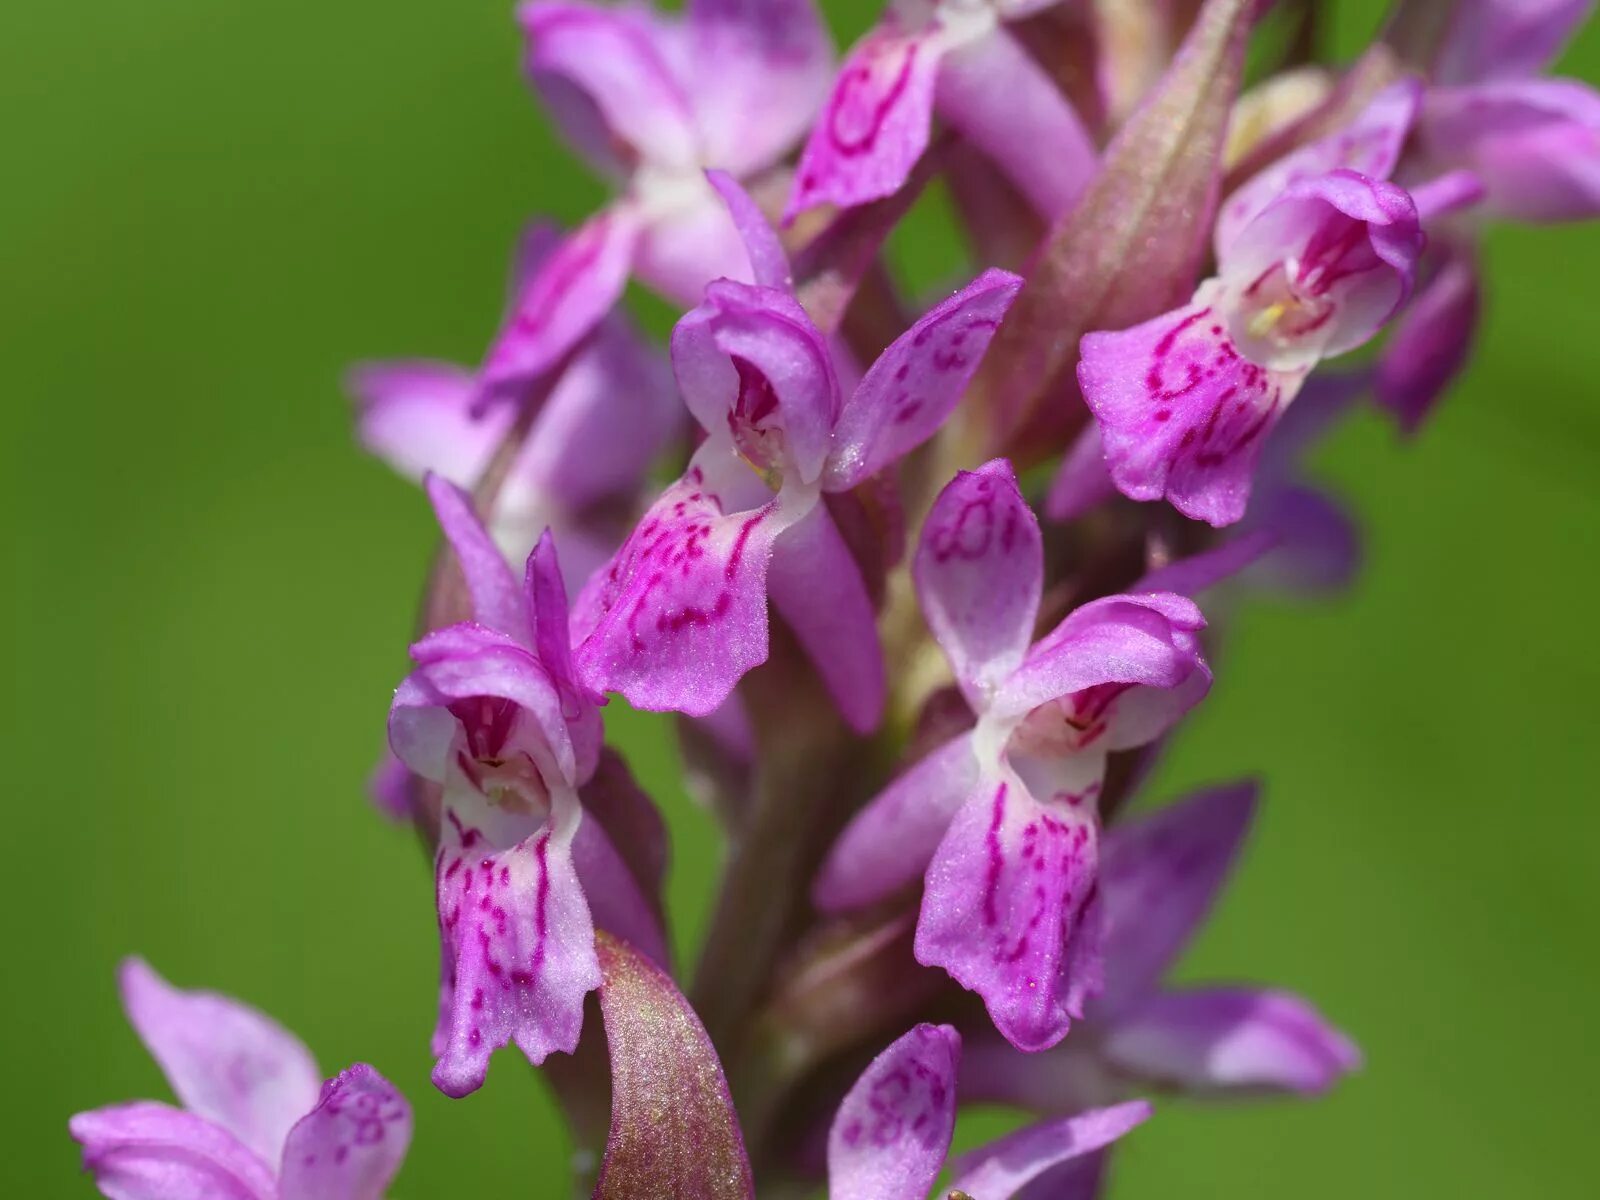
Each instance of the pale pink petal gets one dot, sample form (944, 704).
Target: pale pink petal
(149, 1151)
(891, 841)
(1008, 893)
(892, 1132)
(680, 614)
(818, 589)
(997, 1171)
(226, 1062)
(1083, 482)
(688, 244)
(906, 395)
(417, 417)
(875, 124)
(1225, 1040)
(769, 265)
(497, 601)
(1506, 39)
(351, 1144)
(979, 573)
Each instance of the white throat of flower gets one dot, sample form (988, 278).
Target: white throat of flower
(660, 191)
(962, 22)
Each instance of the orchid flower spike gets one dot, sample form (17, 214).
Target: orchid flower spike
(1002, 818)
(257, 1121)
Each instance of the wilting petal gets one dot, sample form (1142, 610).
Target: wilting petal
(611, 59)
(1535, 144)
(907, 394)
(1230, 1040)
(417, 417)
(998, 1170)
(817, 587)
(875, 125)
(1008, 890)
(225, 1061)
(980, 572)
(769, 265)
(148, 1151)
(1182, 413)
(497, 601)
(1001, 100)
(762, 72)
(1369, 145)
(1506, 39)
(1159, 877)
(517, 947)
(351, 1144)
(680, 614)
(564, 300)
(892, 1131)
(891, 841)
(1145, 640)
(750, 361)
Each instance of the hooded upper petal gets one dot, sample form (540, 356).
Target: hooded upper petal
(497, 600)
(915, 384)
(979, 571)
(149, 1151)
(225, 1061)
(892, 1132)
(351, 1144)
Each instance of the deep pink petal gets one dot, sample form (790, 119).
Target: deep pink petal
(226, 1062)
(552, 642)
(769, 265)
(997, 1171)
(1535, 144)
(1009, 892)
(1212, 1040)
(497, 601)
(762, 72)
(417, 416)
(979, 572)
(149, 1151)
(1159, 877)
(890, 842)
(351, 1144)
(906, 395)
(517, 945)
(594, 60)
(892, 1132)
(751, 365)
(1431, 342)
(1001, 100)
(875, 124)
(1182, 413)
(818, 589)
(680, 614)
(1370, 145)
(1506, 39)
(562, 302)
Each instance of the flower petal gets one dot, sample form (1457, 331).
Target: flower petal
(591, 61)
(417, 416)
(1506, 39)
(562, 302)
(547, 607)
(1145, 640)
(1211, 1040)
(817, 587)
(497, 601)
(149, 1151)
(687, 241)
(764, 67)
(890, 842)
(680, 614)
(1159, 877)
(875, 124)
(1370, 145)
(618, 905)
(1009, 910)
(998, 1170)
(517, 946)
(916, 383)
(1082, 482)
(226, 1062)
(979, 572)
(892, 1131)
(1183, 415)
(351, 1144)
(769, 265)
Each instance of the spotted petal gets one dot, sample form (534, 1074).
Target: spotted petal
(351, 1144)
(892, 1131)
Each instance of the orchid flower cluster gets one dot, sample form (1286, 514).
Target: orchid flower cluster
(930, 582)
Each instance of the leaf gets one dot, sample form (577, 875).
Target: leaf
(673, 1128)
(1133, 245)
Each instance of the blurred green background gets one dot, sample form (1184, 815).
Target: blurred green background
(211, 207)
